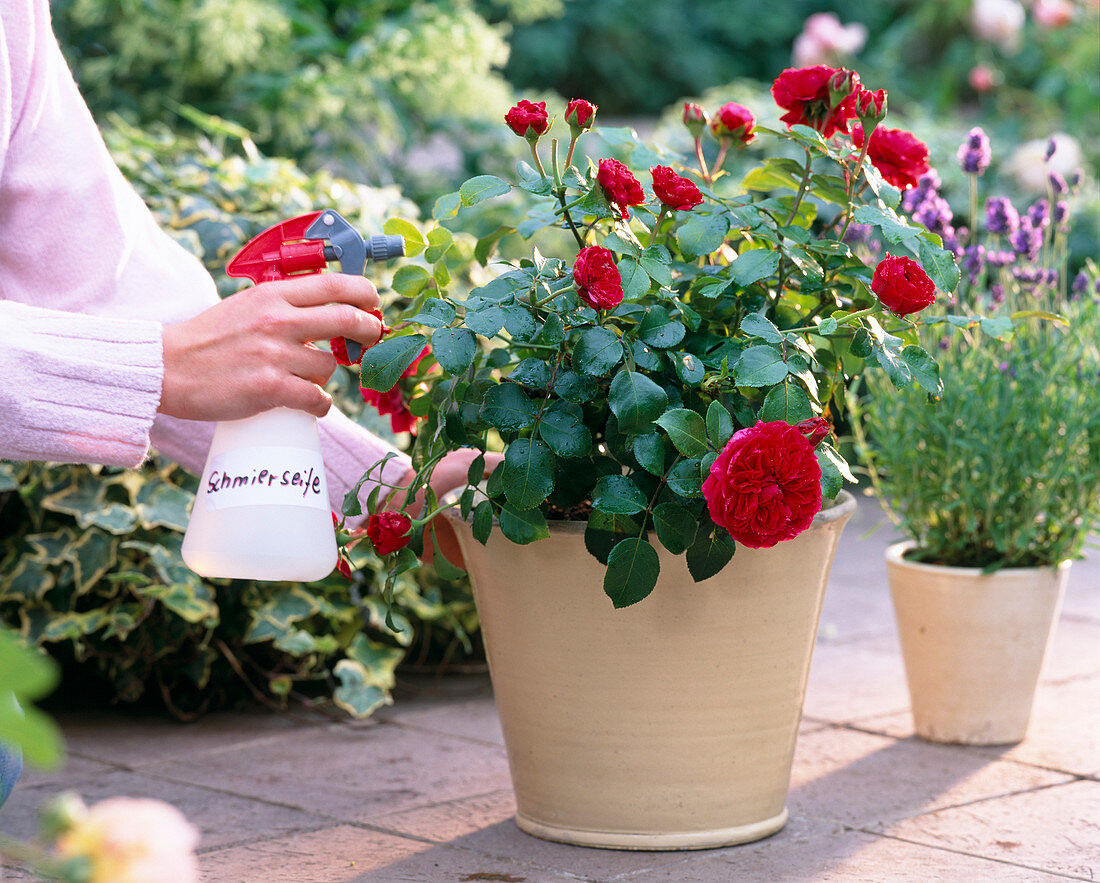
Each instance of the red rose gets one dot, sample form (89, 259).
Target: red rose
(902, 285)
(389, 531)
(598, 281)
(765, 486)
(806, 96)
(528, 118)
(580, 114)
(900, 156)
(734, 121)
(675, 191)
(392, 402)
(620, 186)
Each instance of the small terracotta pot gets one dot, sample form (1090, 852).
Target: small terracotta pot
(973, 645)
(669, 724)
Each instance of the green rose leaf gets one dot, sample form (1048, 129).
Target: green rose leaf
(632, 571)
(414, 239)
(440, 240)
(712, 550)
(435, 313)
(481, 188)
(574, 387)
(598, 351)
(676, 526)
(658, 329)
(787, 402)
(924, 369)
(760, 366)
(507, 407)
(562, 428)
(532, 373)
(483, 521)
(702, 234)
(755, 325)
(636, 401)
(940, 264)
(719, 425)
(649, 451)
(686, 429)
(528, 473)
(485, 318)
(454, 348)
(605, 530)
(635, 280)
(385, 362)
(523, 526)
(685, 478)
(410, 280)
(618, 495)
(752, 266)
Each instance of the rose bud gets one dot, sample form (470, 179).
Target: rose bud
(580, 115)
(695, 118)
(871, 108)
(902, 285)
(528, 119)
(814, 428)
(733, 121)
(389, 531)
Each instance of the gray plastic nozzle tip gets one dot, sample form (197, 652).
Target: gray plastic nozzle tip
(382, 248)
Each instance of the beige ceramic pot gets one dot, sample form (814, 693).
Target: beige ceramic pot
(973, 645)
(669, 724)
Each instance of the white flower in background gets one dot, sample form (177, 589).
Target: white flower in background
(998, 21)
(824, 40)
(1053, 14)
(1028, 167)
(127, 840)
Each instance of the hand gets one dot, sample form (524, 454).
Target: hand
(449, 473)
(252, 351)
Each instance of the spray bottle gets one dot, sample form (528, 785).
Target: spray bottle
(262, 509)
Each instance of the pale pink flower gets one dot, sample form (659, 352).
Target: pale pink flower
(1052, 14)
(129, 840)
(998, 21)
(983, 79)
(824, 40)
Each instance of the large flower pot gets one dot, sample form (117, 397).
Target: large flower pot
(973, 645)
(670, 724)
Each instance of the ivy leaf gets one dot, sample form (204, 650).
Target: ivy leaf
(385, 362)
(632, 571)
(686, 429)
(636, 401)
(528, 473)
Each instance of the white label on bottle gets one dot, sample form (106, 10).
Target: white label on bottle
(265, 476)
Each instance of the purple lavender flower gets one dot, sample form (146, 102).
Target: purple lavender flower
(857, 234)
(1075, 179)
(951, 238)
(934, 214)
(1039, 213)
(1000, 258)
(1061, 212)
(1057, 183)
(975, 153)
(1028, 240)
(1080, 285)
(1051, 279)
(974, 262)
(997, 293)
(1052, 146)
(1001, 217)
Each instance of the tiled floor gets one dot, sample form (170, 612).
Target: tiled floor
(421, 792)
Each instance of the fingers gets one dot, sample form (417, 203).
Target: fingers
(327, 288)
(337, 320)
(301, 395)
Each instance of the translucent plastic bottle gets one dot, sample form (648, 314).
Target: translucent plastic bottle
(262, 510)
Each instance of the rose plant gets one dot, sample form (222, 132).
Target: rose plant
(663, 362)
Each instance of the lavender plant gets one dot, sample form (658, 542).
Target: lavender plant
(1003, 469)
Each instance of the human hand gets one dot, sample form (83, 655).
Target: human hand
(252, 351)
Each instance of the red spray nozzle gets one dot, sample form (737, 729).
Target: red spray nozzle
(303, 246)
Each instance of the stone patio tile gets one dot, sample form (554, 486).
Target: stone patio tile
(73, 770)
(848, 856)
(1083, 589)
(855, 680)
(1056, 829)
(134, 740)
(351, 774)
(1064, 733)
(331, 855)
(453, 819)
(1074, 650)
(443, 864)
(475, 719)
(223, 819)
(860, 779)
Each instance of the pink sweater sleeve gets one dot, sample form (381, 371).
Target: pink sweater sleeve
(87, 281)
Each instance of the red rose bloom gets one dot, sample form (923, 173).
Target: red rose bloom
(598, 281)
(392, 402)
(902, 285)
(527, 118)
(675, 191)
(389, 531)
(900, 156)
(620, 186)
(805, 94)
(765, 486)
(733, 121)
(580, 113)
